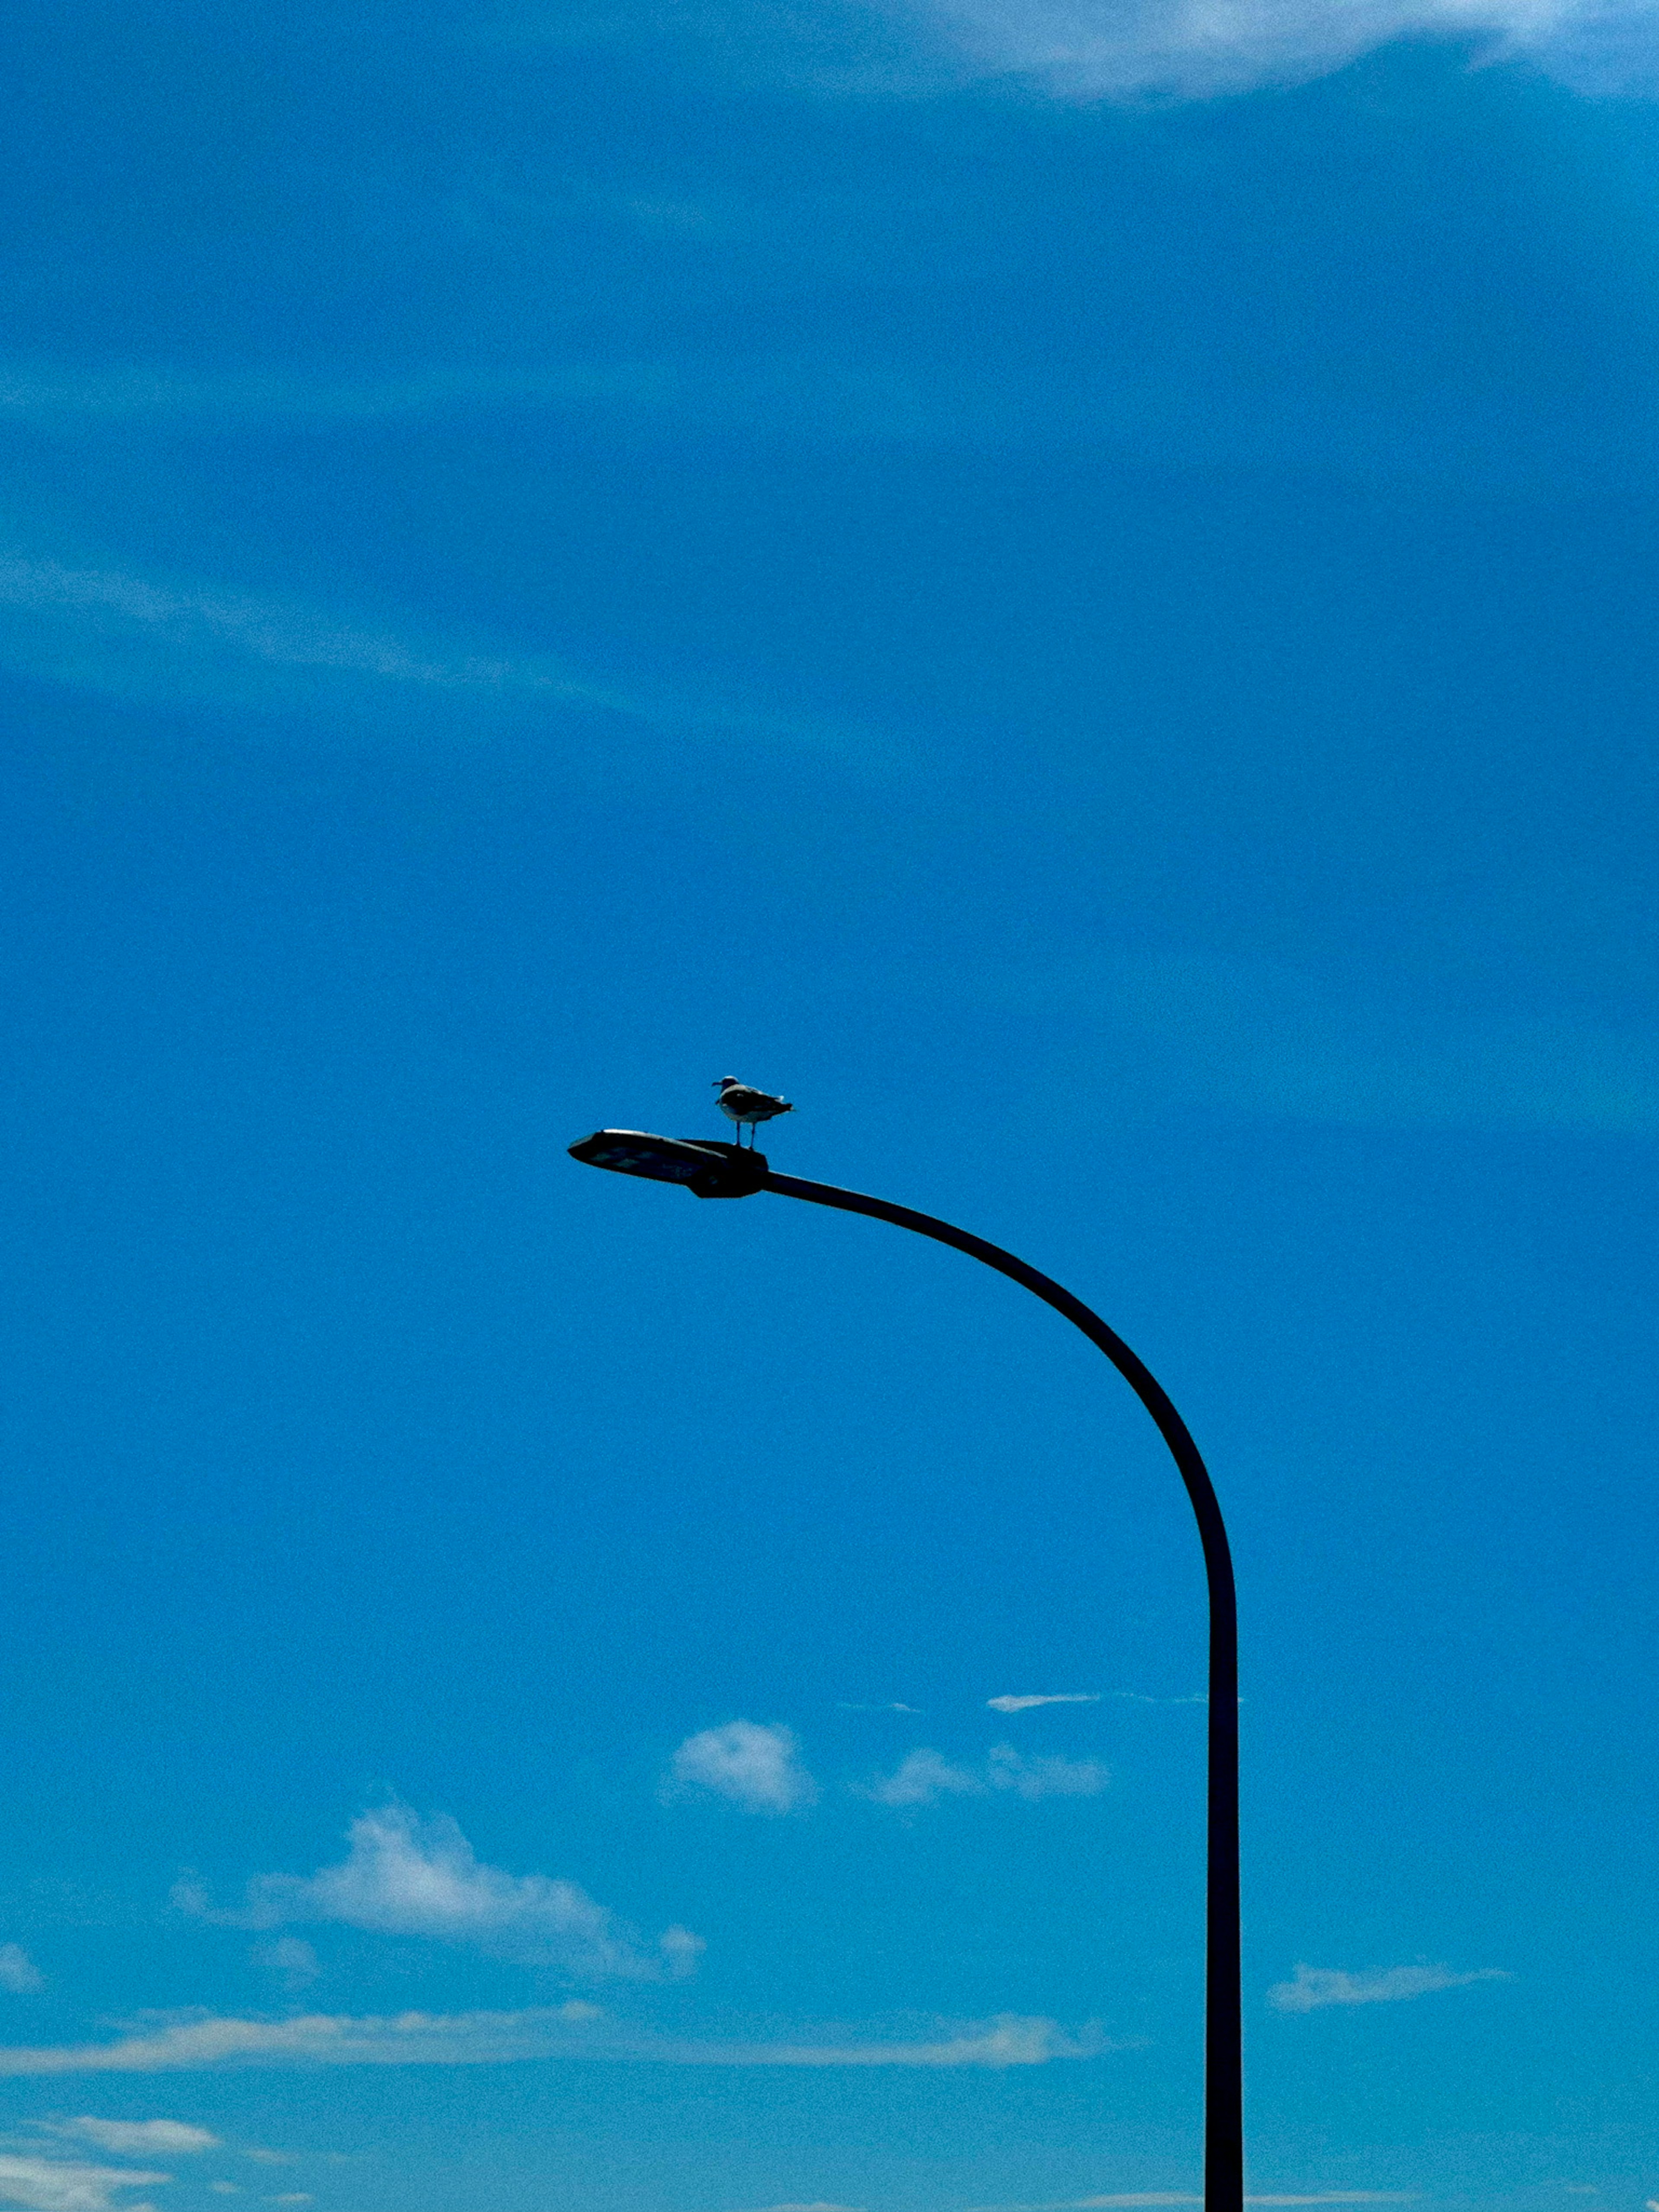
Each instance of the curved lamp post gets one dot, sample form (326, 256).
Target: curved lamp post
(722, 1171)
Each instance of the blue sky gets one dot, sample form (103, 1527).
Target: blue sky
(1071, 586)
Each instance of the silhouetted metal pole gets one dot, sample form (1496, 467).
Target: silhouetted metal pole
(1223, 2050)
(724, 1171)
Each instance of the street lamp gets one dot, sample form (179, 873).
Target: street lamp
(712, 1169)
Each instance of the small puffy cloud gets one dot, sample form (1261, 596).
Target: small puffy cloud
(291, 2197)
(143, 2138)
(225, 2188)
(1314, 1987)
(406, 1876)
(50, 2185)
(925, 1776)
(758, 1768)
(1055, 1697)
(922, 1779)
(18, 1971)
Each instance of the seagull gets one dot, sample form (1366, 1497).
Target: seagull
(739, 1103)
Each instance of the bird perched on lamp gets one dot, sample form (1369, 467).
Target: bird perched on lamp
(741, 1103)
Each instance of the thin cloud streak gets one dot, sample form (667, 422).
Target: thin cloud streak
(137, 2139)
(1127, 50)
(1131, 50)
(1314, 1987)
(1262, 1039)
(1130, 2200)
(126, 636)
(575, 2031)
(1008, 1704)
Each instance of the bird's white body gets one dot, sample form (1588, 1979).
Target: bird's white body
(739, 1102)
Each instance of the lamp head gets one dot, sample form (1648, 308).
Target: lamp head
(706, 1169)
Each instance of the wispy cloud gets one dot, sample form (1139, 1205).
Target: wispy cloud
(1008, 2040)
(291, 1958)
(925, 1776)
(572, 2030)
(1314, 1987)
(141, 2138)
(1009, 1705)
(1131, 49)
(47, 2184)
(758, 1767)
(1130, 2200)
(1259, 1038)
(406, 1876)
(817, 393)
(18, 1971)
(132, 637)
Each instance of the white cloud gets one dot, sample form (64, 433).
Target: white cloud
(46, 2185)
(758, 1768)
(925, 1776)
(482, 2039)
(1195, 49)
(291, 2197)
(1316, 1986)
(1057, 1698)
(18, 1971)
(1008, 2040)
(818, 2204)
(405, 1876)
(142, 2138)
